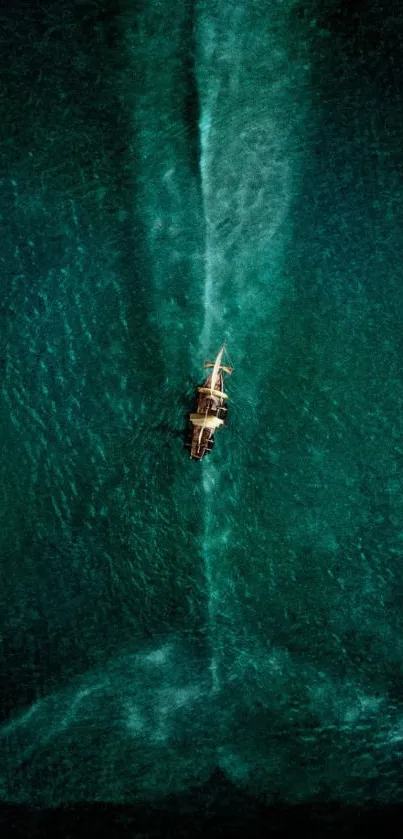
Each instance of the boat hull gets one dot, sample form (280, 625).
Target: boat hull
(210, 414)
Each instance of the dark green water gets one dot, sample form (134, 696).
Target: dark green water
(172, 176)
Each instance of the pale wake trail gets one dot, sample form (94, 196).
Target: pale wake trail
(210, 567)
(212, 322)
(248, 171)
(212, 327)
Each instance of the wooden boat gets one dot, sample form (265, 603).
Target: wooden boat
(211, 409)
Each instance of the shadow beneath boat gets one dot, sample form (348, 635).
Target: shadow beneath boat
(184, 433)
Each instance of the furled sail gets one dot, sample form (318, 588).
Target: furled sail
(206, 421)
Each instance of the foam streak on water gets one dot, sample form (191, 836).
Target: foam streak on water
(210, 568)
(211, 308)
(211, 323)
(250, 115)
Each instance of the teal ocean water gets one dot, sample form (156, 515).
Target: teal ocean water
(172, 176)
